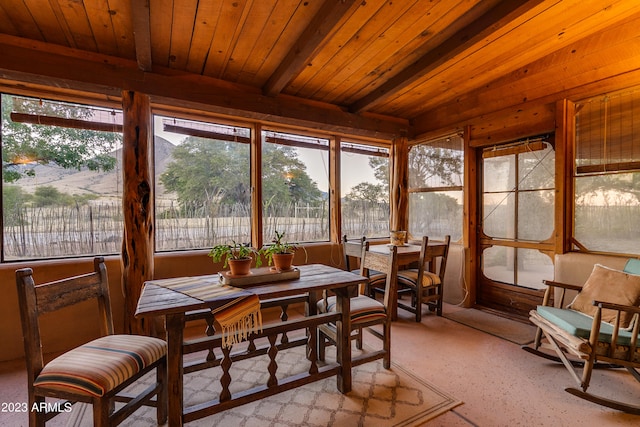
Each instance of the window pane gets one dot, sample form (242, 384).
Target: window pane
(533, 268)
(535, 215)
(365, 191)
(607, 212)
(436, 188)
(436, 214)
(295, 185)
(497, 263)
(202, 192)
(436, 164)
(499, 174)
(498, 214)
(61, 179)
(536, 169)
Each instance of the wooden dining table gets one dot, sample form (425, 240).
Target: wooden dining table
(156, 300)
(407, 254)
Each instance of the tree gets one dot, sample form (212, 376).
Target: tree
(26, 144)
(13, 199)
(427, 162)
(205, 172)
(368, 192)
(380, 166)
(284, 176)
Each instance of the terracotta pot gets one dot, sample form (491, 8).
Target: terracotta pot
(282, 262)
(240, 267)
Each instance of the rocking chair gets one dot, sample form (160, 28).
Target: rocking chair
(600, 334)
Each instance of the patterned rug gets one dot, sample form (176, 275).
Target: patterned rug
(379, 398)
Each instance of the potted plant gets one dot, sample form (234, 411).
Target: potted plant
(237, 256)
(280, 252)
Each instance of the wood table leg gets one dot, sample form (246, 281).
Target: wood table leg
(175, 328)
(343, 339)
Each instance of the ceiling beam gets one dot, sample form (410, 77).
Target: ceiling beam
(310, 41)
(52, 65)
(494, 19)
(142, 33)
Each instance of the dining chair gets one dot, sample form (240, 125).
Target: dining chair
(423, 283)
(95, 372)
(365, 311)
(352, 251)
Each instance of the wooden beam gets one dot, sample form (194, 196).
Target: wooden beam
(137, 204)
(470, 227)
(335, 192)
(142, 33)
(398, 190)
(312, 39)
(38, 119)
(564, 181)
(257, 239)
(46, 64)
(499, 16)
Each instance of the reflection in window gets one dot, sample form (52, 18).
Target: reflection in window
(364, 181)
(60, 179)
(435, 188)
(202, 190)
(295, 184)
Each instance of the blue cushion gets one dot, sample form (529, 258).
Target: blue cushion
(632, 266)
(579, 324)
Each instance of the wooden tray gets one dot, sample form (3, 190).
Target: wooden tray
(258, 276)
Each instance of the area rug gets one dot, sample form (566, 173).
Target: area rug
(501, 327)
(379, 398)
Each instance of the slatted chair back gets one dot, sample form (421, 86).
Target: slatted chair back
(382, 263)
(434, 257)
(352, 251)
(426, 282)
(36, 301)
(95, 372)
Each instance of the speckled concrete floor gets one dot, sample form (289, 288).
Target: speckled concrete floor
(499, 383)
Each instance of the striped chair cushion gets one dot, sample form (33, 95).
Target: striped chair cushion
(410, 278)
(101, 365)
(363, 308)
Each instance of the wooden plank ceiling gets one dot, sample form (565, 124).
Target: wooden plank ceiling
(400, 60)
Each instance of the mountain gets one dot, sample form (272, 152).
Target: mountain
(84, 181)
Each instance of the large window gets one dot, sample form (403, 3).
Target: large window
(607, 173)
(203, 195)
(295, 185)
(364, 181)
(61, 186)
(62, 182)
(435, 188)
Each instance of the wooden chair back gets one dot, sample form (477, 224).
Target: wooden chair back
(36, 300)
(434, 257)
(352, 252)
(383, 263)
